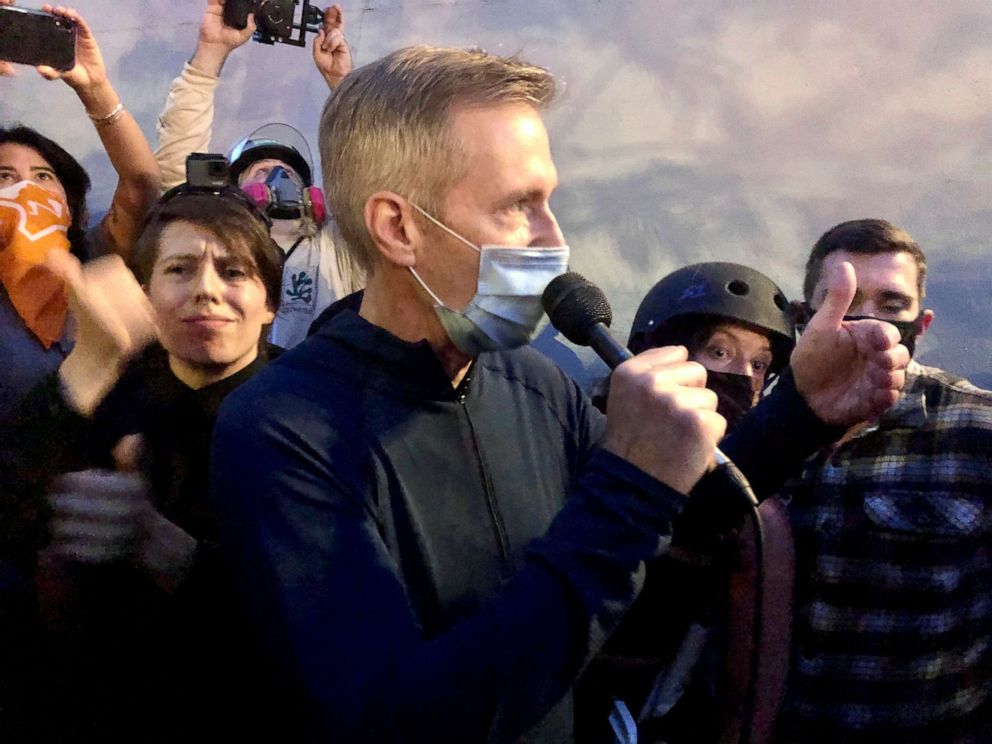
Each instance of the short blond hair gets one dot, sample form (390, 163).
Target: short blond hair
(387, 128)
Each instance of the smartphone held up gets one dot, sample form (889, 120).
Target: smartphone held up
(33, 37)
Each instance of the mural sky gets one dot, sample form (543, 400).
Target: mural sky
(684, 132)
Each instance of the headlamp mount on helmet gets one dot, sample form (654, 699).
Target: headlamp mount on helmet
(207, 174)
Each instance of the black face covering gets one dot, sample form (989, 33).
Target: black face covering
(908, 329)
(735, 395)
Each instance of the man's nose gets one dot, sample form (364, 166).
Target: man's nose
(545, 229)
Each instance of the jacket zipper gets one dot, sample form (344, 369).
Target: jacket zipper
(499, 528)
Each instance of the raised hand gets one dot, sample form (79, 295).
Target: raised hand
(114, 320)
(217, 40)
(102, 516)
(848, 371)
(98, 515)
(89, 72)
(662, 418)
(6, 68)
(97, 518)
(113, 315)
(331, 53)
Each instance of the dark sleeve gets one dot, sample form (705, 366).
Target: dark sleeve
(41, 439)
(97, 241)
(586, 422)
(332, 605)
(776, 437)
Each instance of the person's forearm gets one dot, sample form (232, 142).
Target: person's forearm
(139, 178)
(776, 437)
(185, 124)
(333, 80)
(86, 376)
(40, 438)
(210, 58)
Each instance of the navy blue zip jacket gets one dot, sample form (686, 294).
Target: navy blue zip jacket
(429, 563)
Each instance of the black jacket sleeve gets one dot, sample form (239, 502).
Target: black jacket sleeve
(776, 437)
(43, 438)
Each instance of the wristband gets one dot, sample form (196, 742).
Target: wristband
(117, 113)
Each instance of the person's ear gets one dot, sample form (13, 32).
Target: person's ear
(926, 318)
(389, 218)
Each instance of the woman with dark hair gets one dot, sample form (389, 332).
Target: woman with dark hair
(64, 171)
(35, 170)
(140, 621)
(733, 320)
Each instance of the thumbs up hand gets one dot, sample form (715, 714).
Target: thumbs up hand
(848, 371)
(97, 515)
(101, 516)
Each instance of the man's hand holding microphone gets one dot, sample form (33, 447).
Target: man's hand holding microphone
(662, 417)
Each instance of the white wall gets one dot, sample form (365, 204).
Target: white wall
(686, 131)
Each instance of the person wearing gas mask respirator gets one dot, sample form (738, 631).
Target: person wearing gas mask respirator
(433, 526)
(272, 165)
(892, 620)
(277, 176)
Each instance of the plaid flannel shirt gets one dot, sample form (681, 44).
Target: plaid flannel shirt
(892, 629)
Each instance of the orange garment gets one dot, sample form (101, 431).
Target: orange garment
(34, 221)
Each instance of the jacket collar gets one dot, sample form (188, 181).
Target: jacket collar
(390, 362)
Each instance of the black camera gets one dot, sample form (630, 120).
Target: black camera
(209, 174)
(275, 20)
(207, 170)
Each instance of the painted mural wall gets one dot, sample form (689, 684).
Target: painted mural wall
(685, 131)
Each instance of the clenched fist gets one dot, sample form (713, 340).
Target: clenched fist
(662, 418)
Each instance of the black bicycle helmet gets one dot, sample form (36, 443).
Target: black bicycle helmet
(717, 290)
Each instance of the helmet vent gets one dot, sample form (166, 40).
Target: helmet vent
(739, 288)
(780, 302)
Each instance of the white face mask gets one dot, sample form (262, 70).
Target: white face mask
(506, 310)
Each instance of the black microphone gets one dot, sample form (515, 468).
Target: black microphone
(579, 309)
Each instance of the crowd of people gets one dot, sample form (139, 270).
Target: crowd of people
(280, 466)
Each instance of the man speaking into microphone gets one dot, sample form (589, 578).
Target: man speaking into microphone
(433, 527)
